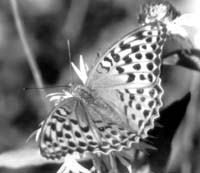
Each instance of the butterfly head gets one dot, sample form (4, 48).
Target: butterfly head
(157, 10)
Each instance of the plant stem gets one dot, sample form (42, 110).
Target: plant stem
(29, 55)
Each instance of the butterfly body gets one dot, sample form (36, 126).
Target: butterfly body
(118, 104)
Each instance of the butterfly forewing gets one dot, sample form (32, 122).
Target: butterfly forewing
(128, 76)
(132, 61)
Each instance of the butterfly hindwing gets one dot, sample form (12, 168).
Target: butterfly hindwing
(71, 129)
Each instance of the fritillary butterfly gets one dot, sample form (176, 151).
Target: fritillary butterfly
(117, 105)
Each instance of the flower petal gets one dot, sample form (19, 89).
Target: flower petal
(78, 72)
(83, 69)
(70, 164)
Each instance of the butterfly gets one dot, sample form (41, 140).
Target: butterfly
(117, 105)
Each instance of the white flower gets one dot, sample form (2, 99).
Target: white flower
(70, 164)
(57, 97)
(185, 20)
(82, 70)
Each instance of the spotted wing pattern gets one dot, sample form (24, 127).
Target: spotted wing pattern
(70, 129)
(132, 62)
(128, 76)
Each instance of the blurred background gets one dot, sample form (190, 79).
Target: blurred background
(91, 26)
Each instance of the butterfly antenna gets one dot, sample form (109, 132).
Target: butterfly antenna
(70, 61)
(37, 88)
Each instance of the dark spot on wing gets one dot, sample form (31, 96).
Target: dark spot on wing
(138, 56)
(161, 43)
(130, 103)
(74, 121)
(152, 92)
(157, 61)
(148, 123)
(119, 69)
(113, 132)
(137, 66)
(150, 66)
(127, 59)
(140, 122)
(71, 144)
(108, 60)
(142, 99)
(104, 144)
(127, 91)
(156, 72)
(121, 96)
(108, 136)
(53, 126)
(140, 35)
(151, 104)
(67, 127)
(154, 112)
(124, 46)
(146, 113)
(77, 134)
(59, 133)
(144, 46)
(158, 51)
(125, 109)
(150, 77)
(131, 96)
(82, 144)
(138, 106)
(92, 143)
(85, 129)
(142, 77)
(153, 46)
(80, 150)
(131, 77)
(64, 148)
(89, 137)
(148, 40)
(70, 151)
(140, 91)
(149, 56)
(133, 116)
(66, 110)
(115, 56)
(114, 142)
(135, 49)
(47, 138)
(103, 67)
(67, 135)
